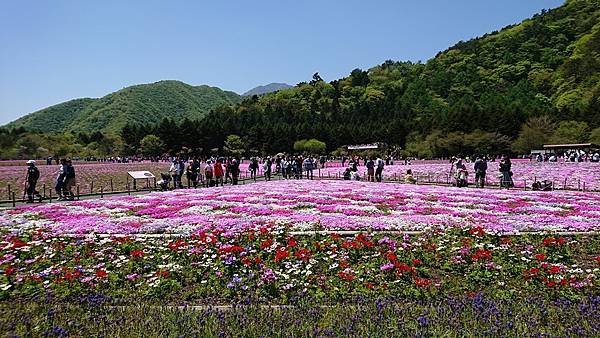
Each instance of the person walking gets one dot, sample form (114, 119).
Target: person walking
(480, 168)
(69, 180)
(379, 165)
(308, 167)
(235, 171)
(227, 166)
(191, 173)
(208, 173)
(219, 172)
(284, 167)
(174, 171)
(370, 170)
(253, 167)
(60, 180)
(33, 174)
(267, 168)
(506, 180)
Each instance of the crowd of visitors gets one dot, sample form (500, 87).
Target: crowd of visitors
(568, 156)
(480, 166)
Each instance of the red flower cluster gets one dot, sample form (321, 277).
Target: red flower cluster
(303, 254)
(10, 270)
(176, 245)
(552, 241)
(291, 242)
(18, 243)
(249, 260)
(266, 244)
(205, 238)
(402, 268)
(136, 253)
(477, 231)
(482, 255)
(71, 274)
(361, 241)
(162, 274)
(422, 282)
(540, 257)
(281, 254)
(235, 249)
(347, 276)
(530, 273)
(101, 273)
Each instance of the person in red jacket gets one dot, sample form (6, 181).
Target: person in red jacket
(219, 171)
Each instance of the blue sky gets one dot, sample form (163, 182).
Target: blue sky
(53, 51)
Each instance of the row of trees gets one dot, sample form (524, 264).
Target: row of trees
(20, 144)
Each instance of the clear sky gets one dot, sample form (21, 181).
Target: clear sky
(53, 51)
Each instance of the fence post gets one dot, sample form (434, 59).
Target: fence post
(14, 199)
(565, 184)
(525, 185)
(91, 187)
(111, 185)
(50, 196)
(578, 184)
(583, 186)
(101, 192)
(44, 190)
(78, 192)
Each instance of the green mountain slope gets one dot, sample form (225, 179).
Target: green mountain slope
(147, 103)
(54, 118)
(546, 66)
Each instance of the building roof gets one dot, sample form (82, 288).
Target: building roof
(570, 146)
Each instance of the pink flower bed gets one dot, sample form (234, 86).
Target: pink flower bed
(316, 205)
(564, 175)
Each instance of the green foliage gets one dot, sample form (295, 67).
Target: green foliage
(533, 135)
(152, 145)
(234, 146)
(595, 136)
(437, 144)
(311, 146)
(141, 104)
(570, 132)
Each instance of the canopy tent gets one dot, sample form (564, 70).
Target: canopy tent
(376, 145)
(571, 146)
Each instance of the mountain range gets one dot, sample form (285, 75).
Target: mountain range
(266, 89)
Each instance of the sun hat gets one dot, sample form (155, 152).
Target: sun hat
(31, 162)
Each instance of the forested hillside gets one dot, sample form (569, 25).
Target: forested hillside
(513, 88)
(508, 91)
(147, 103)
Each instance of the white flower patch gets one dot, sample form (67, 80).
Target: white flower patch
(197, 209)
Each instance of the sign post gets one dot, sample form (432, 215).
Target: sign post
(141, 175)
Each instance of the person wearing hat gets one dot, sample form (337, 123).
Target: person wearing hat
(33, 174)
